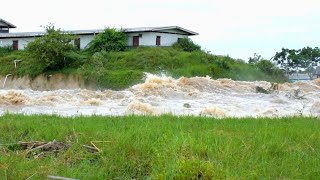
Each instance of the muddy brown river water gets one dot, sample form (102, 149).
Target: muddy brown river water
(197, 96)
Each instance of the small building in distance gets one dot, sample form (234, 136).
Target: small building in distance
(299, 77)
(145, 36)
(316, 73)
(5, 26)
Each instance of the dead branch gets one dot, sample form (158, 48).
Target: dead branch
(38, 155)
(42, 146)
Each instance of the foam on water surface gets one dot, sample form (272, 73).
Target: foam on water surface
(197, 96)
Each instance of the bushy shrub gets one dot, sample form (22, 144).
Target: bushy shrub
(94, 66)
(5, 50)
(265, 66)
(49, 51)
(76, 58)
(187, 44)
(216, 71)
(224, 64)
(109, 40)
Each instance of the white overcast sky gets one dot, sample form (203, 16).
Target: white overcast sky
(237, 28)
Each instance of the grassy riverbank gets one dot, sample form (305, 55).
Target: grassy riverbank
(164, 147)
(119, 70)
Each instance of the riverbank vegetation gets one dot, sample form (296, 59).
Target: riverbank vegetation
(112, 65)
(164, 147)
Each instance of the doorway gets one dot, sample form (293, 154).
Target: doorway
(135, 41)
(15, 44)
(158, 40)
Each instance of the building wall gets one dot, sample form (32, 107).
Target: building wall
(85, 40)
(22, 42)
(149, 38)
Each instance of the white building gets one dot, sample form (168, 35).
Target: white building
(147, 36)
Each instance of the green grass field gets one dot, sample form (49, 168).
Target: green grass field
(165, 147)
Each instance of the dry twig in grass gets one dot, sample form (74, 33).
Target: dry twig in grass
(91, 149)
(31, 176)
(59, 177)
(94, 148)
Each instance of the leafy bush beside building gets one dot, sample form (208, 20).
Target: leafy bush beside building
(49, 51)
(109, 40)
(186, 44)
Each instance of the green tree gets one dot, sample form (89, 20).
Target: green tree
(291, 58)
(187, 44)
(265, 66)
(109, 40)
(256, 58)
(49, 51)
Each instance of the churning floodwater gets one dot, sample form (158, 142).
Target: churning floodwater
(197, 96)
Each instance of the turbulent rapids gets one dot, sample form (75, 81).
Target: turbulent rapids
(198, 96)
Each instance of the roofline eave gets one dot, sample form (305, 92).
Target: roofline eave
(9, 24)
(190, 33)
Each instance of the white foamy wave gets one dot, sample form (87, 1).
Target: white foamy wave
(197, 96)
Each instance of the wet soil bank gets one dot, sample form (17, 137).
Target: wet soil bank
(46, 82)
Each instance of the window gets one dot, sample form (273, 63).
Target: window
(158, 41)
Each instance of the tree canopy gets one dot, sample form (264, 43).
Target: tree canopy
(291, 58)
